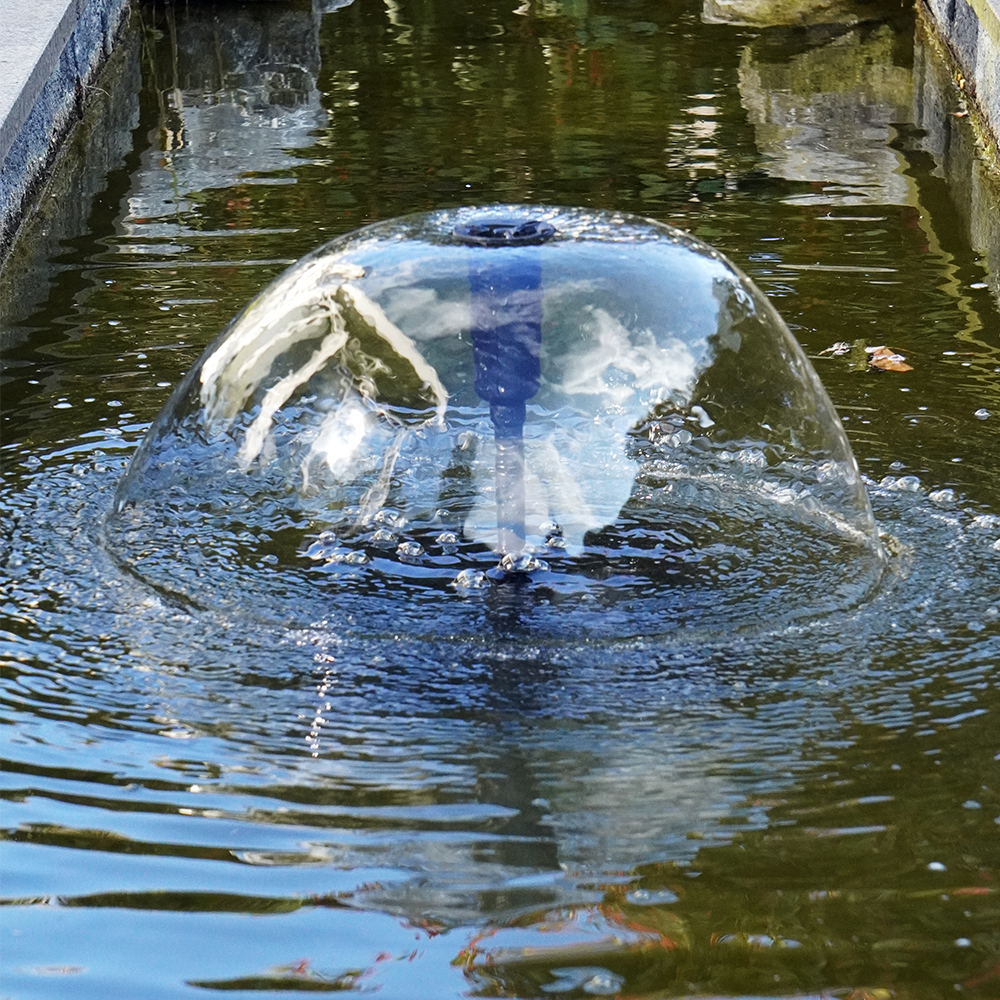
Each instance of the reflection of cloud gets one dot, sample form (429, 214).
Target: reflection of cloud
(427, 315)
(617, 362)
(825, 116)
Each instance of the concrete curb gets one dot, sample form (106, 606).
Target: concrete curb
(51, 54)
(970, 29)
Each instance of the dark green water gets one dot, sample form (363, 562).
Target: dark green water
(196, 802)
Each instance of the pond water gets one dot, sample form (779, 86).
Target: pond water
(195, 799)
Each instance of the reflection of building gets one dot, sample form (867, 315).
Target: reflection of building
(825, 116)
(236, 92)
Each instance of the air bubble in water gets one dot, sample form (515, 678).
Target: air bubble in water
(522, 563)
(471, 579)
(652, 897)
(384, 538)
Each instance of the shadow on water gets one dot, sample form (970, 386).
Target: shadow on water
(809, 809)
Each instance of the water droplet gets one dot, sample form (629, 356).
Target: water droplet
(982, 414)
(591, 979)
(942, 496)
(409, 550)
(751, 940)
(523, 563)
(323, 548)
(388, 516)
(471, 579)
(971, 804)
(447, 538)
(704, 420)
(604, 983)
(383, 537)
(936, 866)
(963, 943)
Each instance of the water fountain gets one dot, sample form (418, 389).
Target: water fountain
(453, 788)
(547, 418)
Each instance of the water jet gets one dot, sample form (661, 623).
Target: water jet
(590, 403)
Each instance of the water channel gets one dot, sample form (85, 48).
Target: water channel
(197, 797)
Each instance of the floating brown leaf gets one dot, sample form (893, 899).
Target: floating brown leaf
(887, 359)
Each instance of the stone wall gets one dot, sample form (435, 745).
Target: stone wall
(54, 50)
(971, 31)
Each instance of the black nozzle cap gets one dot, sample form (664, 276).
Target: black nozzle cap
(504, 233)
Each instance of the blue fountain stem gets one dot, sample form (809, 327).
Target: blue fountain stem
(506, 344)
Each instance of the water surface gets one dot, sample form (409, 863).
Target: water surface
(194, 801)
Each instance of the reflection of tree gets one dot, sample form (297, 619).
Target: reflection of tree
(758, 386)
(874, 888)
(533, 102)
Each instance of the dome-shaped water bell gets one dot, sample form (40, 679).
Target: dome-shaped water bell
(566, 421)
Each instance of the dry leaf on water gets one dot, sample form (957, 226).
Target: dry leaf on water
(887, 359)
(841, 347)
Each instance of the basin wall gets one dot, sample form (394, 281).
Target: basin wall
(971, 31)
(55, 50)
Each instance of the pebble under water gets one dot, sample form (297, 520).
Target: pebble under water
(198, 799)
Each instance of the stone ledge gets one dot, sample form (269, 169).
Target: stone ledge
(51, 54)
